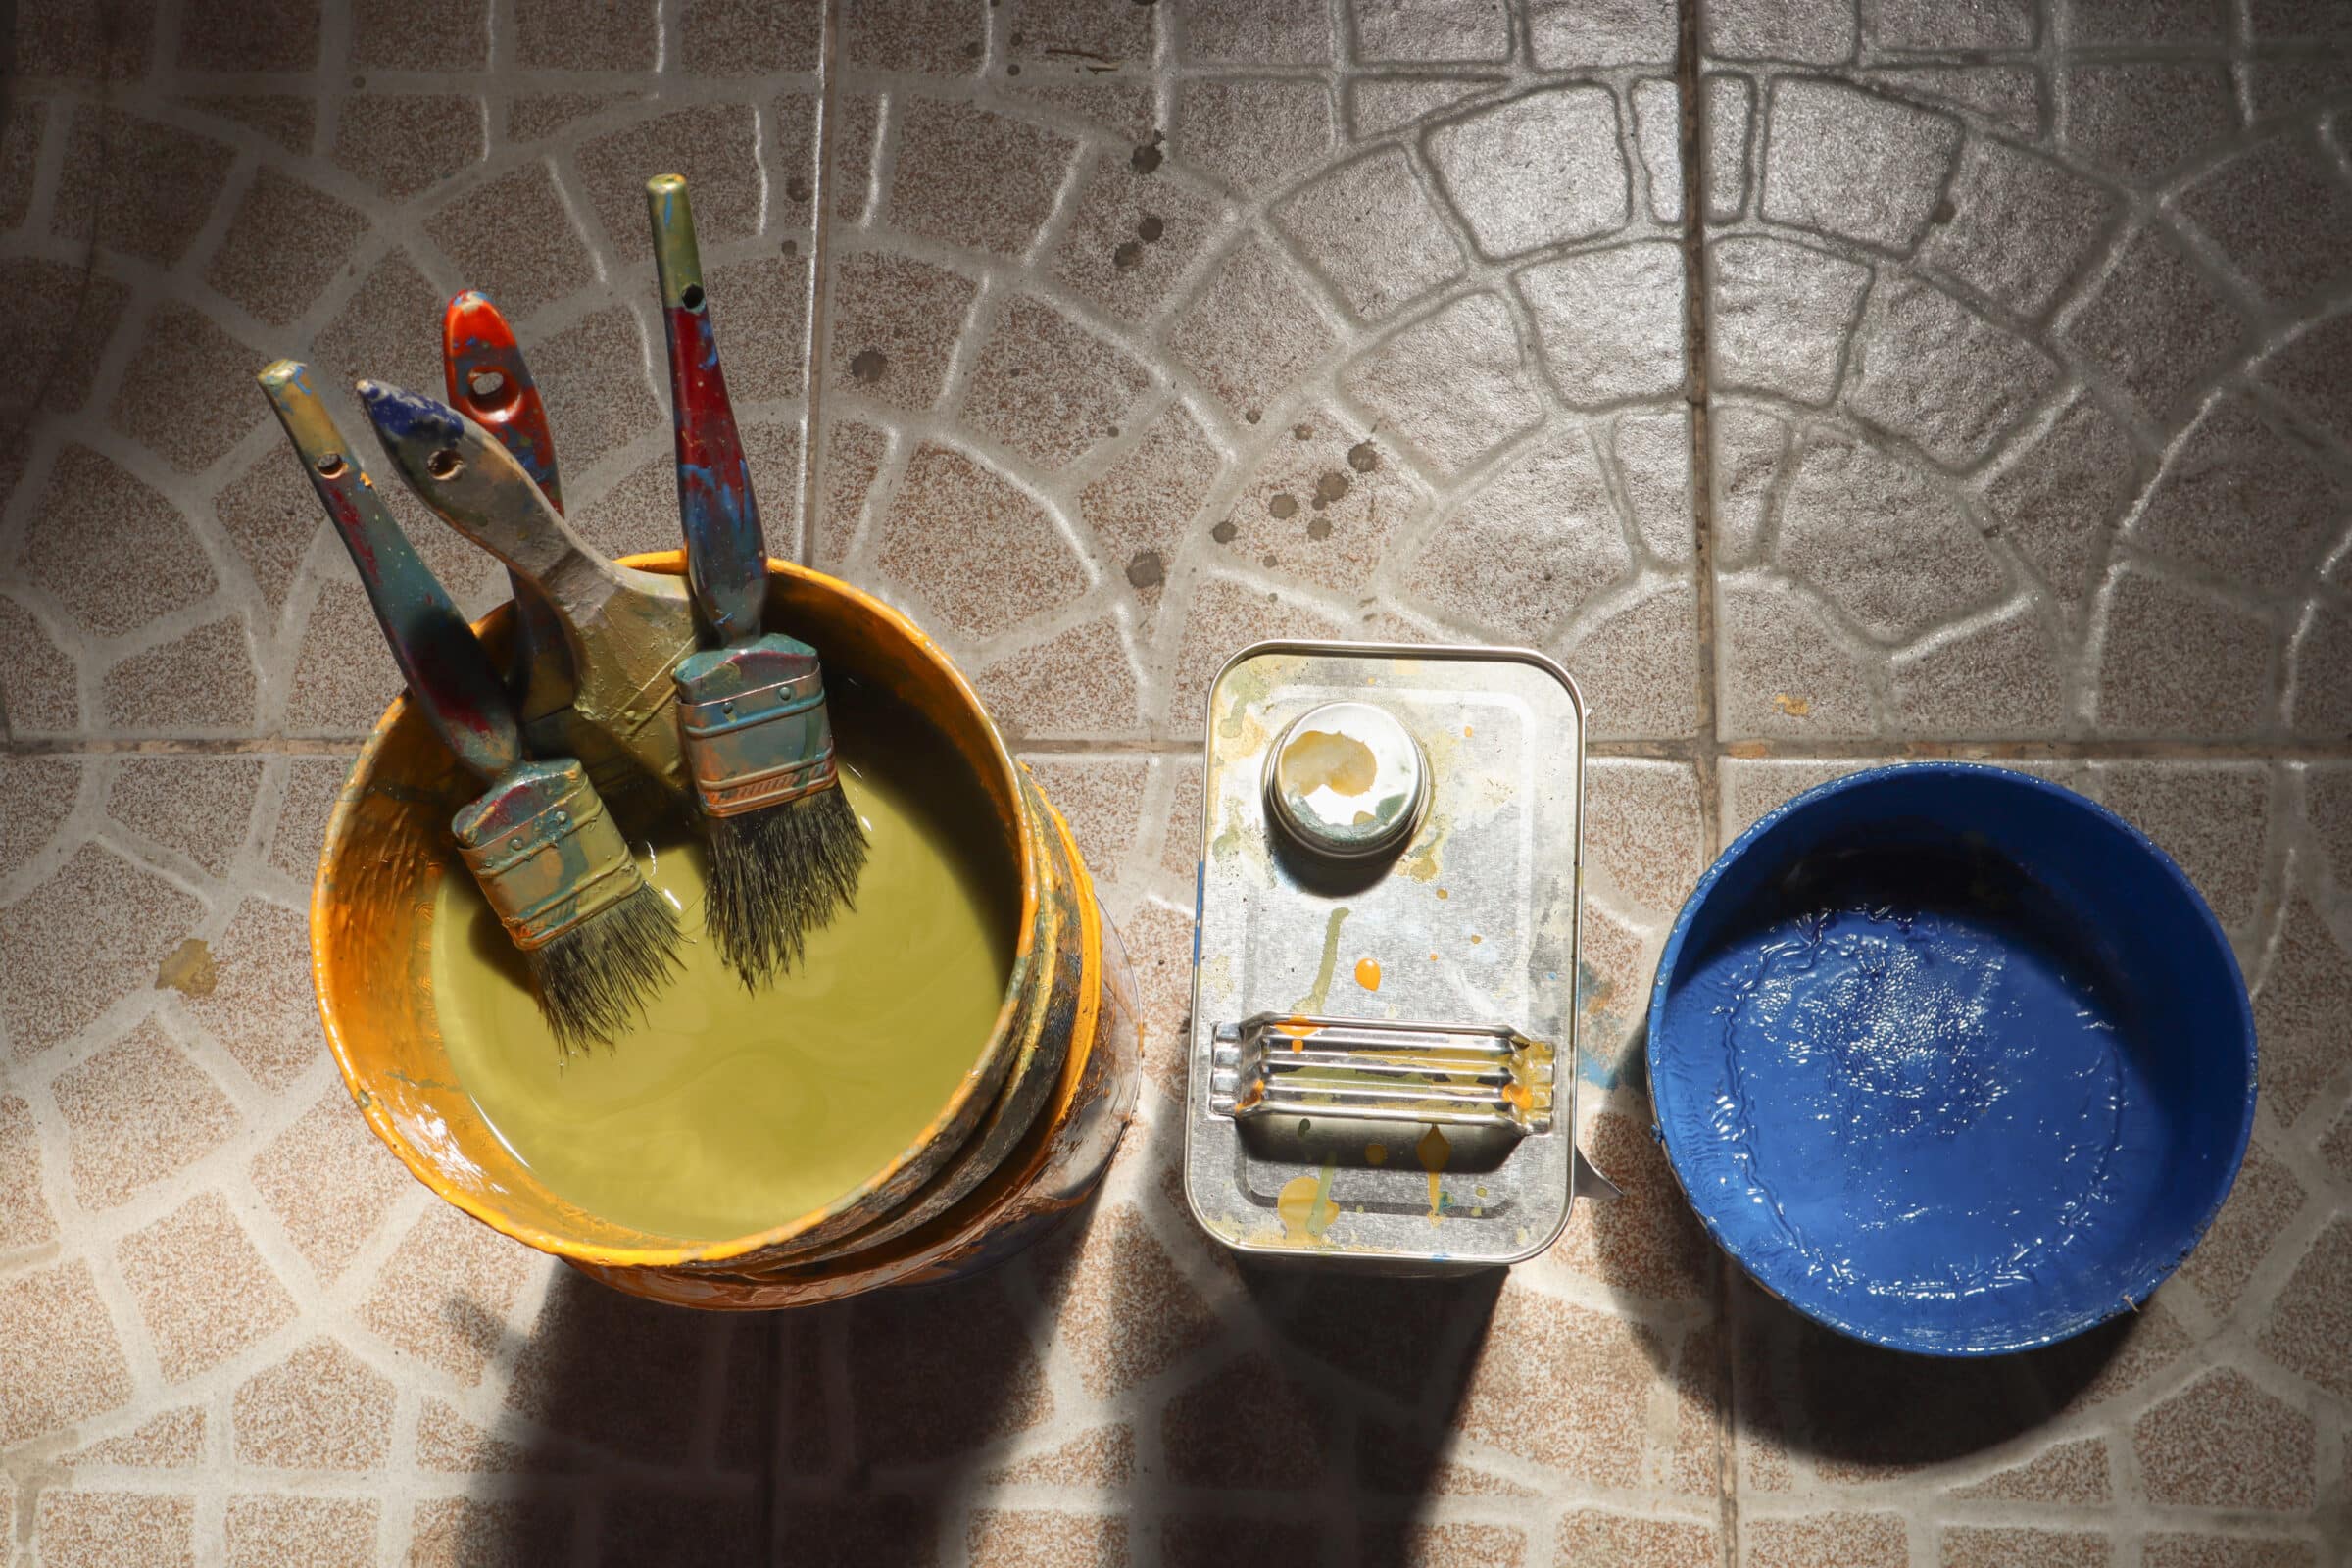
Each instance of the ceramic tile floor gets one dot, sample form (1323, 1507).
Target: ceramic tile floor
(1105, 337)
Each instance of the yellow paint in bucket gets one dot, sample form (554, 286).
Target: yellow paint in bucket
(728, 1109)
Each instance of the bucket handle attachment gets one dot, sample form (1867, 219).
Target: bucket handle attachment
(1368, 1069)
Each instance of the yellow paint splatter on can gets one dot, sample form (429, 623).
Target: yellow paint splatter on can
(1434, 1150)
(1305, 1206)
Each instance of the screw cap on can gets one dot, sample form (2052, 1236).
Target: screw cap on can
(1346, 780)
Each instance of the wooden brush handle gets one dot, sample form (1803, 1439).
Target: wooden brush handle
(449, 673)
(473, 484)
(726, 558)
(489, 383)
(624, 629)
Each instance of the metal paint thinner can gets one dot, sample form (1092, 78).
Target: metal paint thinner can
(1382, 1051)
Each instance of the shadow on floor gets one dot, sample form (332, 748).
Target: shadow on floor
(666, 1417)
(1856, 1410)
(836, 1435)
(890, 1405)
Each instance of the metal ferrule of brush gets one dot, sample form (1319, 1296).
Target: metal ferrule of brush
(753, 718)
(546, 852)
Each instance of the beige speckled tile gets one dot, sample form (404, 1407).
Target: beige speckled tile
(1138, 332)
(172, 1441)
(203, 1292)
(328, 220)
(106, 923)
(265, 1531)
(1123, 1310)
(1265, 272)
(135, 1113)
(321, 1409)
(61, 1351)
(111, 1528)
(2058, 396)
(460, 1533)
(444, 1296)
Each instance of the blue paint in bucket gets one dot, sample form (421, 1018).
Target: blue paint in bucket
(1952, 1059)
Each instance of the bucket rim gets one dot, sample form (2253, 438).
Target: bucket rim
(975, 1084)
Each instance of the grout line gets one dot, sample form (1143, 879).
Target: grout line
(820, 235)
(1727, 1394)
(2253, 748)
(771, 1418)
(1695, 348)
(1690, 86)
(264, 745)
(774, 1517)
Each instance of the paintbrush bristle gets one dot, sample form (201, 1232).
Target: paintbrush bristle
(594, 980)
(777, 875)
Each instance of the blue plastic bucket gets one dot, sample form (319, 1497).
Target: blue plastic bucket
(1952, 1059)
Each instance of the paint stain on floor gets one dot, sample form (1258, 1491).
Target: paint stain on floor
(189, 969)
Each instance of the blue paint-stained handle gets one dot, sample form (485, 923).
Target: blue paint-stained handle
(449, 672)
(726, 555)
(458, 469)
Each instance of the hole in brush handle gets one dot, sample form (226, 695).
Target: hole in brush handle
(489, 391)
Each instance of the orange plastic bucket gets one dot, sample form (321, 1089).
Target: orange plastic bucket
(1023, 1139)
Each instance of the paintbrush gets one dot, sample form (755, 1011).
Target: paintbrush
(624, 629)
(489, 382)
(786, 848)
(597, 939)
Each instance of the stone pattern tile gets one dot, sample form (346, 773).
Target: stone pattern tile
(1149, 336)
(1147, 331)
(233, 1329)
(2017, 437)
(2018, 424)
(194, 210)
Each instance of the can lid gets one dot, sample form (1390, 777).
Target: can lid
(1346, 780)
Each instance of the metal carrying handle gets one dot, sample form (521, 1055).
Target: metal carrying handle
(1366, 1069)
